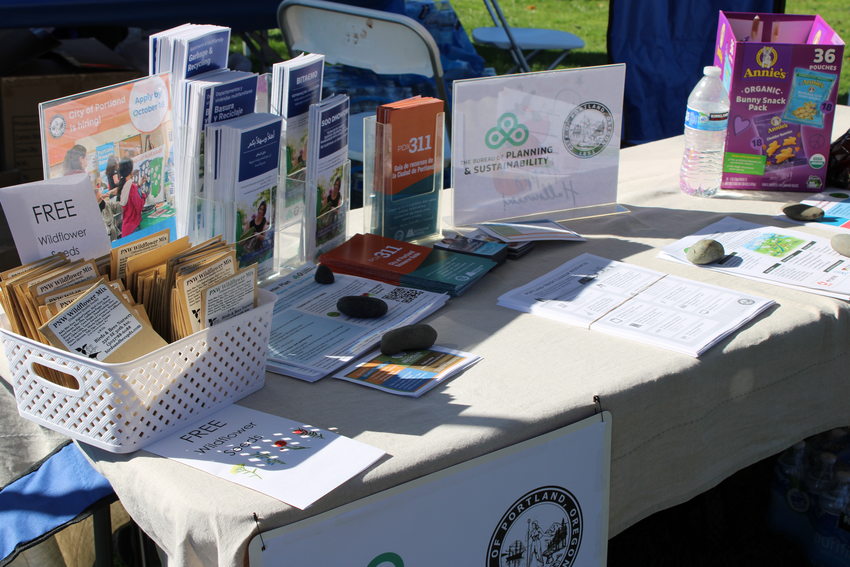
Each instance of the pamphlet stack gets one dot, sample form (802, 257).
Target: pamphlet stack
(403, 263)
(327, 175)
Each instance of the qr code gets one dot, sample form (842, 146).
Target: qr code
(403, 295)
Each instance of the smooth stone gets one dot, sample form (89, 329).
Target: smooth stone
(362, 306)
(841, 244)
(409, 337)
(323, 275)
(705, 251)
(801, 212)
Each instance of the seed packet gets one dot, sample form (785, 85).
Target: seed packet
(781, 141)
(809, 90)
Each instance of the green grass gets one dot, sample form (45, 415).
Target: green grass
(588, 19)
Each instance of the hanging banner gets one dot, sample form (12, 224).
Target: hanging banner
(539, 503)
(531, 145)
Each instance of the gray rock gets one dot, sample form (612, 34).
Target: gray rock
(705, 251)
(361, 306)
(841, 244)
(409, 337)
(323, 275)
(801, 212)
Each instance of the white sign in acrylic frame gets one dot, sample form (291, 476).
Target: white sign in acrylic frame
(545, 499)
(537, 145)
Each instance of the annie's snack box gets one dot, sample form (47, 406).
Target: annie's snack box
(781, 71)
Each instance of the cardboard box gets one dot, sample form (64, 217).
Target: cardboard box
(19, 98)
(781, 71)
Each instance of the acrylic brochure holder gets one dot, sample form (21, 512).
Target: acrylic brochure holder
(392, 206)
(535, 146)
(315, 217)
(239, 227)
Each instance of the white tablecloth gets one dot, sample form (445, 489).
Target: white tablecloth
(680, 425)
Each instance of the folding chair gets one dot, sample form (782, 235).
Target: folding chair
(383, 42)
(59, 491)
(517, 41)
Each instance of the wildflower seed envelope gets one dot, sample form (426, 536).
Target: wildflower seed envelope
(534, 144)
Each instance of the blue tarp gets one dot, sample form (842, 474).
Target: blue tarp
(61, 489)
(665, 44)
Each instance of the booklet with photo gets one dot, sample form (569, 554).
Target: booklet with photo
(243, 171)
(637, 303)
(408, 149)
(120, 136)
(291, 461)
(296, 84)
(408, 373)
(327, 178)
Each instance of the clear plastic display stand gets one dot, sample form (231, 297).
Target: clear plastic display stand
(326, 211)
(391, 206)
(537, 146)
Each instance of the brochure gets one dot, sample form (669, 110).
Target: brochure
(637, 303)
(213, 97)
(55, 216)
(493, 249)
(529, 231)
(120, 136)
(408, 373)
(293, 462)
(836, 209)
(770, 254)
(404, 263)
(408, 151)
(243, 171)
(297, 84)
(186, 52)
(327, 179)
(311, 339)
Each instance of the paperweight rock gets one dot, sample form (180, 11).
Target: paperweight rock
(841, 244)
(409, 337)
(705, 251)
(802, 212)
(361, 306)
(323, 275)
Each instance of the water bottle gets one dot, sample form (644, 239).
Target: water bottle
(705, 135)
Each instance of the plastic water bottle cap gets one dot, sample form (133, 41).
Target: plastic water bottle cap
(711, 71)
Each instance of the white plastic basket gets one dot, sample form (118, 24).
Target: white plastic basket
(121, 407)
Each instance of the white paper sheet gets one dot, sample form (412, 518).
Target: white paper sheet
(291, 461)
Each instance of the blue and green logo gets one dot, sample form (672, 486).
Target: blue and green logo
(388, 559)
(508, 129)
